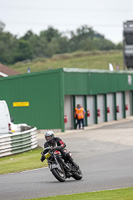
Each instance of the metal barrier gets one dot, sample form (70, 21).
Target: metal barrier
(18, 142)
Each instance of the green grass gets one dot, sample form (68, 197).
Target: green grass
(119, 194)
(21, 162)
(85, 60)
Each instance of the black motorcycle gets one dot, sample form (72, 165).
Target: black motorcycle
(60, 168)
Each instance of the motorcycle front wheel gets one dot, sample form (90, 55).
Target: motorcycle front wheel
(77, 175)
(59, 175)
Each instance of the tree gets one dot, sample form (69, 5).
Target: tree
(50, 34)
(23, 51)
(28, 35)
(2, 26)
(83, 39)
(103, 44)
(8, 44)
(50, 42)
(86, 45)
(119, 45)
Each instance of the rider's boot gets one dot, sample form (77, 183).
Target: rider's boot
(73, 163)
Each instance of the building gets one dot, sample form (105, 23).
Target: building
(48, 99)
(6, 71)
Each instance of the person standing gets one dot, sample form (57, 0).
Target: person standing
(75, 115)
(80, 112)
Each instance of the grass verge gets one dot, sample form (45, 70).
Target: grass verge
(85, 60)
(119, 194)
(21, 162)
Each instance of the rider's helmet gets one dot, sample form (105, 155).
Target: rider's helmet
(49, 136)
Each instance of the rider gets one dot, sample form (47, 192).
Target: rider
(57, 144)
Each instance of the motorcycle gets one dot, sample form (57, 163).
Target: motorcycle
(60, 168)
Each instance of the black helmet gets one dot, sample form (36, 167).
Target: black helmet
(49, 135)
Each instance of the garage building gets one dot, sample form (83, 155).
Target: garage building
(48, 99)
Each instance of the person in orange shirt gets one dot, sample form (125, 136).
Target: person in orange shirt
(79, 112)
(75, 115)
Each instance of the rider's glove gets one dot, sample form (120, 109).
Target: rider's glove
(42, 158)
(57, 148)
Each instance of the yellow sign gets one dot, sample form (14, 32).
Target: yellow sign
(20, 104)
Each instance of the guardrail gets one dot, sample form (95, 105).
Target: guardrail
(18, 142)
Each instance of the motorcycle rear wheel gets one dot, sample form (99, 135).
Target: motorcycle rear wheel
(77, 175)
(60, 176)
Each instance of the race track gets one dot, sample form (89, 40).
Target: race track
(103, 153)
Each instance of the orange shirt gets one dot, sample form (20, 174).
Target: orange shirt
(80, 113)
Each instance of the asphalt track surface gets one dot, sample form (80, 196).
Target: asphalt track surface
(104, 153)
